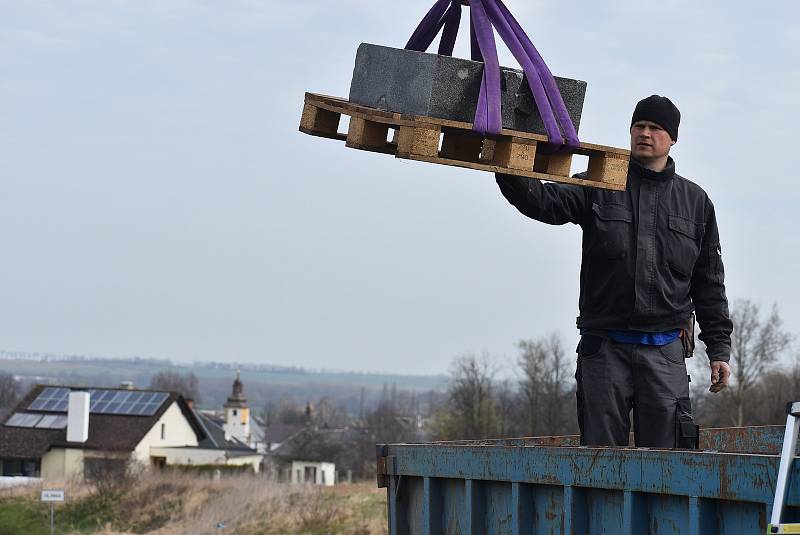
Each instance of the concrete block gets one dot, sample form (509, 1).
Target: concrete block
(419, 83)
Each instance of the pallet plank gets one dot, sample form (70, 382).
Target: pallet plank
(553, 164)
(418, 138)
(604, 167)
(421, 140)
(343, 106)
(369, 135)
(319, 120)
(515, 153)
(530, 174)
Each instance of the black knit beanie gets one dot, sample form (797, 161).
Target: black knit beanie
(661, 111)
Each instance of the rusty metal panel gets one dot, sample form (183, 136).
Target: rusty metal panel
(765, 439)
(512, 486)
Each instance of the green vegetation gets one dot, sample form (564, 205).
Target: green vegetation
(23, 516)
(177, 502)
(26, 515)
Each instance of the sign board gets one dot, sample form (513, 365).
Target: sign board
(53, 495)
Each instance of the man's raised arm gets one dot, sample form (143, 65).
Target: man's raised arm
(555, 204)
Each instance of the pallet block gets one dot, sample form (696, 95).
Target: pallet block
(448, 142)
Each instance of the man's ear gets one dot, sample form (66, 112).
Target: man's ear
(673, 142)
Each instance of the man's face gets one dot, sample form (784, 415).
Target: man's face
(649, 142)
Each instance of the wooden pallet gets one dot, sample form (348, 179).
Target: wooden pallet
(442, 141)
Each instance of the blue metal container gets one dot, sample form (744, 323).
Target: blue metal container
(550, 485)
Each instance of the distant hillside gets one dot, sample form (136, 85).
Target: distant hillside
(262, 382)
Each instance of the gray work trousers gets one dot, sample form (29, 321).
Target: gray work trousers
(614, 378)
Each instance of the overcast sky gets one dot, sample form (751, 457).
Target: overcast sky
(156, 198)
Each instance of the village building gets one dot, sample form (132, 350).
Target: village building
(279, 434)
(61, 431)
(313, 473)
(237, 413)
(297, 453)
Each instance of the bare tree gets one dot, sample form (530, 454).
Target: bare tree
(10, 390)
(470, 409)
(285, 411)
(757, 342)
(184, 384)
(508, 413)
(545, 385)
(329, 414)
(386, 425)
(765, 400)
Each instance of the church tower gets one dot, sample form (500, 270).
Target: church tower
(237, 414)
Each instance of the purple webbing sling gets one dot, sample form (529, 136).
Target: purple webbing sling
(486, 15)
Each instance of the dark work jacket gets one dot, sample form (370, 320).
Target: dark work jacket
(651, 253)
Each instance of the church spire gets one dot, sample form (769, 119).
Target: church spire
(237, 399)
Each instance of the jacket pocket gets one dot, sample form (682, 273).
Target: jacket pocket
(611, 231)
(687, 433)
(683, 242)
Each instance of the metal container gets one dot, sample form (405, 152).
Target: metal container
(549, 485)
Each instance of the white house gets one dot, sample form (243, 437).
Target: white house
(216, 449)
(62, 431)
(313, 473)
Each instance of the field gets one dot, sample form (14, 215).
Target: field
(262, 382)
(132, 369)
(178, 503)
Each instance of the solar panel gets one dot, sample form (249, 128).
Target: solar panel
(48, 395)
(102, 401)
(23, 419)
(52, 421)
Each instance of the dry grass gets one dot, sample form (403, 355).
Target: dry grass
(183, 503)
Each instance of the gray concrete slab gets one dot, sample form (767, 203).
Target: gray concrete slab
(419, 83)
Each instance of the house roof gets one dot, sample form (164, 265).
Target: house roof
(256, 428)
(215, 437)
(107, 432)
(280, 432)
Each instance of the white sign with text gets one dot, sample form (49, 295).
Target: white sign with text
(53, 495)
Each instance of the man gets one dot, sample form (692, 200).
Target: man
(651, 257)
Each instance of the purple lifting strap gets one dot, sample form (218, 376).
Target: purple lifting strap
(452, 20)
(546, 78)
(488, 115)
(474, 47)
(429, 27)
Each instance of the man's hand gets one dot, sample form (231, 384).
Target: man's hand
(720, 372)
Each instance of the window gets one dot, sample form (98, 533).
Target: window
(234, 412)
(17, 467)
(163, 431)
